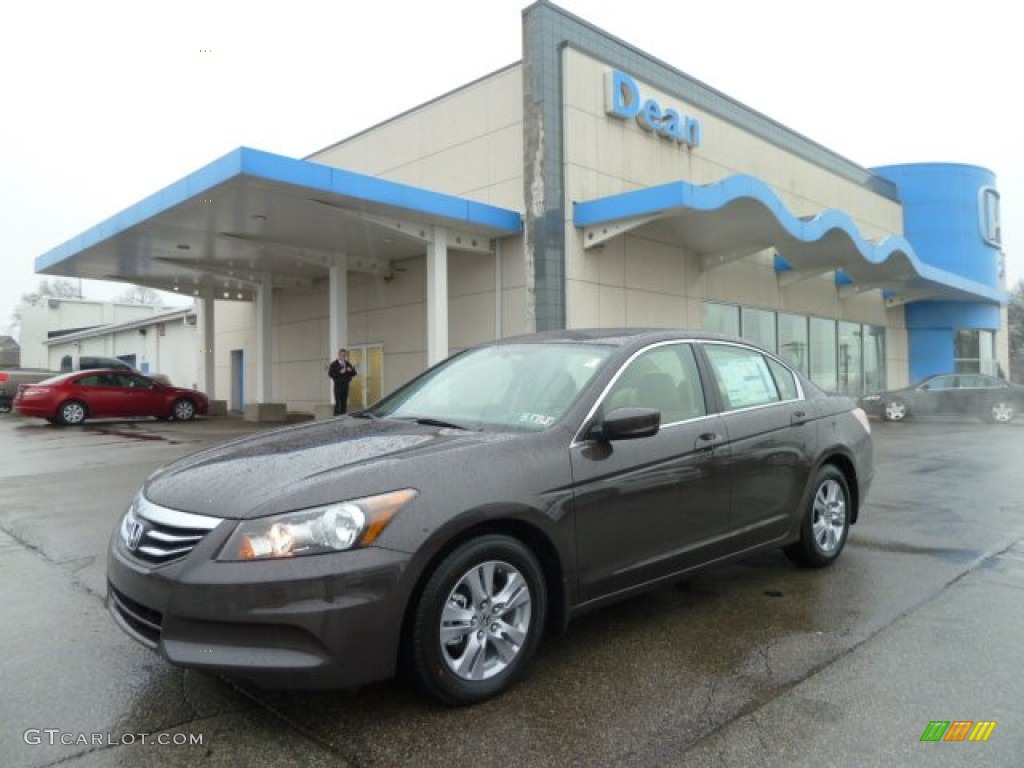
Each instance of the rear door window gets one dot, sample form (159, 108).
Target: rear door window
(784, 380)
(743, 376)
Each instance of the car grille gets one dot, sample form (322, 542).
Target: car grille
(158, 535)
(140, 622)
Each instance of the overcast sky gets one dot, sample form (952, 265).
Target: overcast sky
(106, 102)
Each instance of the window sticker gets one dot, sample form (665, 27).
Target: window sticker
(746, 381)
(537, 419)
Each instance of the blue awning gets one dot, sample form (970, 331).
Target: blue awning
(252, 212)
(741, 215)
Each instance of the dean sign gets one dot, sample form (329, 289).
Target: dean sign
(623, 100)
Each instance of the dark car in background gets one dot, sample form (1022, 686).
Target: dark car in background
(973, 395)
(71, 398)
(499, 494)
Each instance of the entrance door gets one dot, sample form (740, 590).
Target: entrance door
(237, 380)
(365, 388)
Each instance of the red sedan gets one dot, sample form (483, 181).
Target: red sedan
(71, 398)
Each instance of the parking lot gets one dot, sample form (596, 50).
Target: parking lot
(757, 663)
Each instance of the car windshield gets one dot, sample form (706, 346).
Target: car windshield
(507, 386)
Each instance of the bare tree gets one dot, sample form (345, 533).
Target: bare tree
(139, 294)
(1015, 329)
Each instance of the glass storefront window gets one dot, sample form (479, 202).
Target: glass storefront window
(837, 356)
(793, 341)
(874, 358)
(823, 354)
(850, 358)
(758, 325)
(975, 351)
(722, 318)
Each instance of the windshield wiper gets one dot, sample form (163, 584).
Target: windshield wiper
(367, 414)
(427, 421)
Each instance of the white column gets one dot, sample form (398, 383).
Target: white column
(338, 307)
(437, 297)
(499, 309)
(208, 383)
(338, 314)
(264, 339)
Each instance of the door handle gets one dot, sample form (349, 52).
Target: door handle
(707, 441)
(798, 417)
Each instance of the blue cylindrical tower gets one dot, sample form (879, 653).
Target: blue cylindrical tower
(951, 218)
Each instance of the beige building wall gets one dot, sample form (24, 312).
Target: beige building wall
(638, 280)
(234, 328)
(387, 311)
(468, 143)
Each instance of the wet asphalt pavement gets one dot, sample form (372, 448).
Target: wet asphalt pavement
(754, 664)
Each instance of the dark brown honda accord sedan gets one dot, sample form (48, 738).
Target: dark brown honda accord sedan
(496, 496)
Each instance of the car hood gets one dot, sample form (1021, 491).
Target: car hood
(303, 466)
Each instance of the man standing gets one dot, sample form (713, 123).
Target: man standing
(341, 372)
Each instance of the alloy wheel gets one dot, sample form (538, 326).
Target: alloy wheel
(184, 410)
(72, 413)
(829, 521)
(895, 410)
(485, 620)
(1001, 412)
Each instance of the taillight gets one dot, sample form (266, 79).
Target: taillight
(4, 377)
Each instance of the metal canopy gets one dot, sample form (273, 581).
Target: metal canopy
(250, 215)
(741, 215)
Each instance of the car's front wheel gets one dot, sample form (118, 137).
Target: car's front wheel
(895, 410)
(478, 620)
(184, 410)
(1001, 412)
(826, 523)
(71, 413)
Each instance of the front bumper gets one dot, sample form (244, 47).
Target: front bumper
(320, 621)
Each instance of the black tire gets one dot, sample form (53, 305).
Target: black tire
(498, 638)
(826, 521)
(183, 410)
(895, 410)
(71, 413)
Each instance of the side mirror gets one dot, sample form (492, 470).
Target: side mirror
(627, 424)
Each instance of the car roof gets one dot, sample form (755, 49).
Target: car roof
(59, 377)
(620, 336)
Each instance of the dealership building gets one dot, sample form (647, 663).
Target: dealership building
(589, 184)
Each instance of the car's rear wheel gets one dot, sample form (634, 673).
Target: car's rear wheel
(1001, 412)
(478, 620)
(71, 413)
(183, 410)
(895, 410)
(826, 522)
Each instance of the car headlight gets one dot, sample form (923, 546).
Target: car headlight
(870, 398)
(329, 528)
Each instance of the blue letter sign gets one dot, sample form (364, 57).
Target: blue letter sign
(622, 100)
